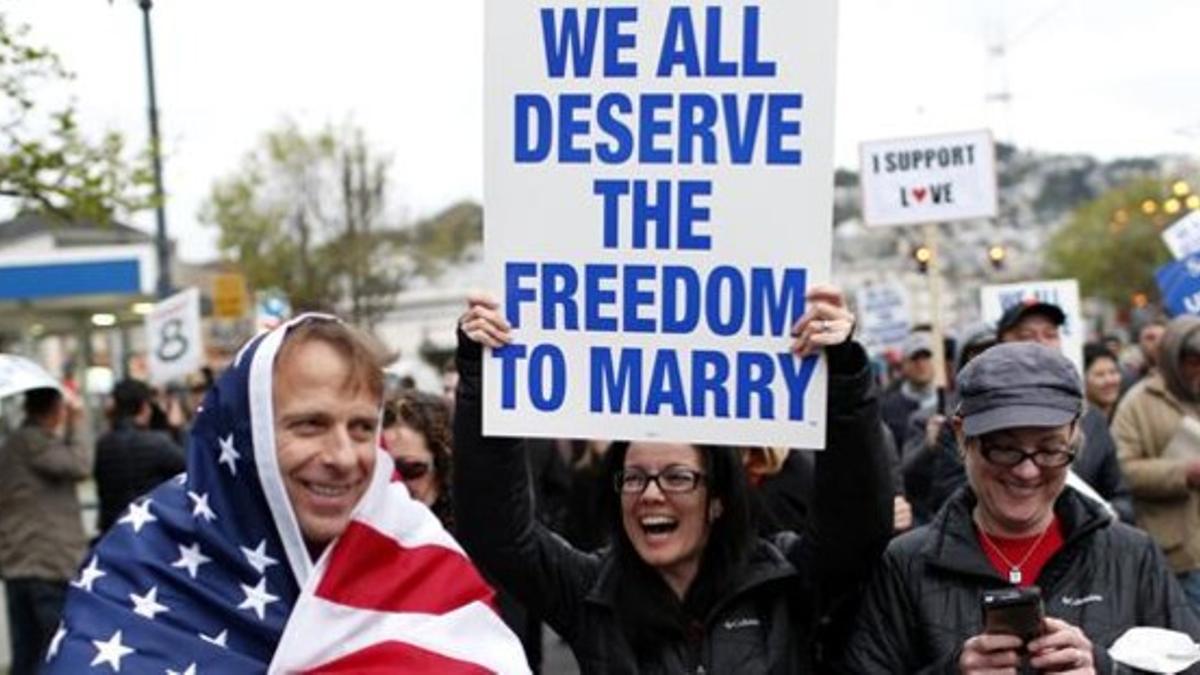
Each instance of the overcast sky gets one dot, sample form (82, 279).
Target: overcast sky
(1106, 77)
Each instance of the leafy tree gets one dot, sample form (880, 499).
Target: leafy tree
(46, 162)
(1112, 245)
(446, 238)
(308, 214)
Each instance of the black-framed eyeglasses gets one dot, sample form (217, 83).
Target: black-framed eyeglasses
(1009, 457)
(672, 480)
(411, 469)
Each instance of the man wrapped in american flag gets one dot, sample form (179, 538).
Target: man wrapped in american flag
(287, 547)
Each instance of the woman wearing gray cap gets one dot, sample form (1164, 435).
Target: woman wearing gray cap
(1015, 526)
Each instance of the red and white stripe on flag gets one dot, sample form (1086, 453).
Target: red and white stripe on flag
(396, 594)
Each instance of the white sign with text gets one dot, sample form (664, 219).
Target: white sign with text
(658, 200)
(1183, 237)
(932, 179)
(1064, 293)
(173, 337)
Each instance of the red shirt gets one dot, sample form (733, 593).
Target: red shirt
(1016, 550)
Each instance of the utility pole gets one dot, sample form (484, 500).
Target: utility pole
(161, 244)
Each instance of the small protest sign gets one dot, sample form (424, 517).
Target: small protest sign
(1183, 237)
(173, 343)
(930, 179)
(1179, 283)
(884, 317)
(1064, 293)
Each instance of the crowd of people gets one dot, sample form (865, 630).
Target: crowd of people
(1081, 490)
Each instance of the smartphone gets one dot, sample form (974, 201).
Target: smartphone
(1013, 611)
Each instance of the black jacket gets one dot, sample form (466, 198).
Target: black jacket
(765, 625)
(924, 600)
(129, 462)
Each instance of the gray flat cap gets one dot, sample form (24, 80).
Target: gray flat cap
(1018, 384)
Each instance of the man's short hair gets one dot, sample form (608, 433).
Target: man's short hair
(129, 396)
(41, 402)
(363, 352)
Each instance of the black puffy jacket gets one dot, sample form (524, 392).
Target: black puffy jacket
(131, 461)
(764, 625)
(924, 600)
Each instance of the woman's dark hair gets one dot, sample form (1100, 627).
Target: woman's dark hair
(1093, 351)
(429, 416)
(648, 610)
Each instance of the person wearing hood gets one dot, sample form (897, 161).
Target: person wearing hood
(1157, 428)
(290, 544)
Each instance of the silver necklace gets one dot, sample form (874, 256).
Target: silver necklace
(1014, 569)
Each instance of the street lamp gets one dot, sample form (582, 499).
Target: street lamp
(161, 244)
(996, 255)
(923, 255)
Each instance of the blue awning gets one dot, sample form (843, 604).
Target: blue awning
(53, 280)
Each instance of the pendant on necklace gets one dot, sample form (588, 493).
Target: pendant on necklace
(1014, 576)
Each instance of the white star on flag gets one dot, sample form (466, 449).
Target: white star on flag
(147, 605)
(89, 575)
(258, 558)
(200, 507)
(56, 642)
(257, 598)
(111, 651)
(191, 670)
(219, 639)
(190, 558)
(138, 515)
(229, 453)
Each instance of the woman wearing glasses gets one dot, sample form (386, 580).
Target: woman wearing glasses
(686, 585)
(1015, 524)
(416, 433)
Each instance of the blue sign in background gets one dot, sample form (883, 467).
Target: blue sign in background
(1179, 282)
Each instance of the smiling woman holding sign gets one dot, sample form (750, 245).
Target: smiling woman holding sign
(686, 586)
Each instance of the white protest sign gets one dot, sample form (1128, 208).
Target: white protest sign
(884, 319)
(1064, 293)
(19, 374)
(1183, 237)
(927, 180)
(173, 344)
(658, 199)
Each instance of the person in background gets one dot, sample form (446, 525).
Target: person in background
(1157, 427)
(587, 525)
(416, 432)
(1114, 343)
(1097, 465)
(915, 391)
(931, 468)
(1145, 359)
(686, 585)
(41, 532)
(131, 458)
(1017, 524)
(781, 488)
(1102, 378)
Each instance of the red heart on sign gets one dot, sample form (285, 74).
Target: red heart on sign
(919, 193)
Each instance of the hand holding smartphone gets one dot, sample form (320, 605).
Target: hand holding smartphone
(1013, 611)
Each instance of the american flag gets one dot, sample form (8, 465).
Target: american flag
(209, 573)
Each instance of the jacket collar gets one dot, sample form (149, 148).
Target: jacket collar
(954, 545)
(766, 565)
